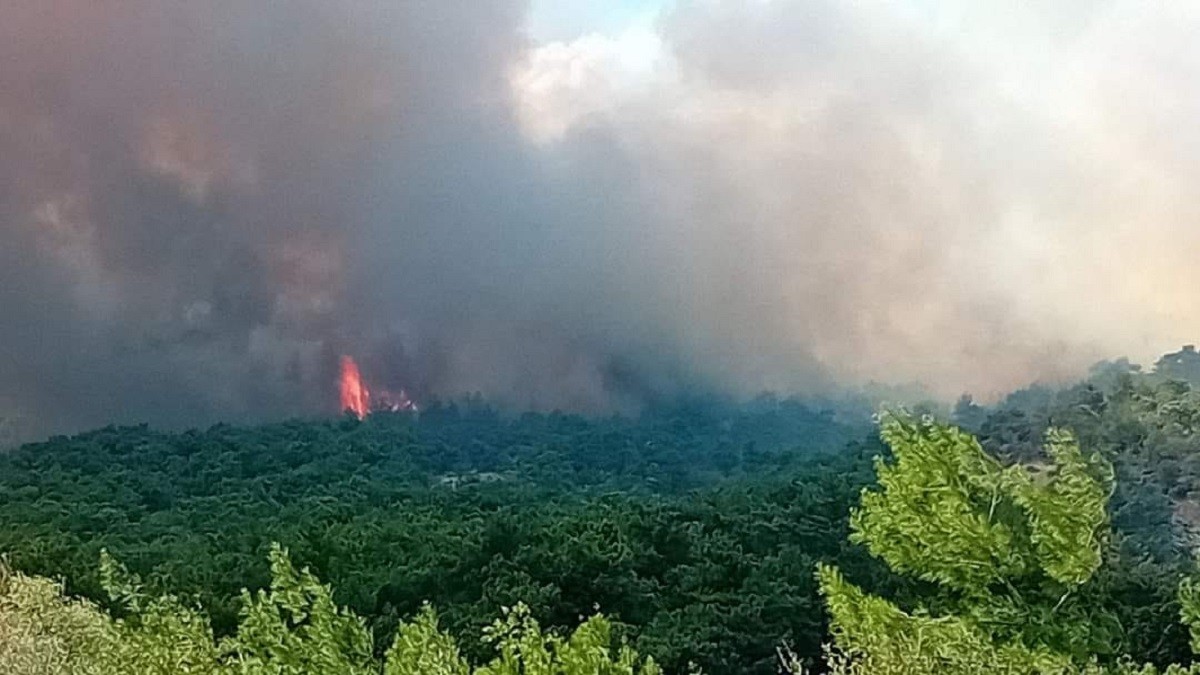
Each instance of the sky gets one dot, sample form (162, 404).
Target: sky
(581, 205)
(566, 20)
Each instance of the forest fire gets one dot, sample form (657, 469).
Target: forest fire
(355, 395)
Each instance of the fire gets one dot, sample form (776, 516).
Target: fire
(395, 401)
(356, 396)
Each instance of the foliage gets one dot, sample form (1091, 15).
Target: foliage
(44, 633)
(421, 648)
(295, 629)
(1145, 424)
(697, 521)
(523, 649)
(695, 529)
(1010, 551)
(875, 637)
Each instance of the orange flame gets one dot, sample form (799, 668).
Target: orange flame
(356, 398)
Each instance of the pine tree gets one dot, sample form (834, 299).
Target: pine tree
(1009, 549)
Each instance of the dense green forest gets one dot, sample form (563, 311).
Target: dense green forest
(695, 530)
(701, 521)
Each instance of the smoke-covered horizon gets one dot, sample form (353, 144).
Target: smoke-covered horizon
(203, 205)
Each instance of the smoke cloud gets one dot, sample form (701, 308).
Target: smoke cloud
(202, 205)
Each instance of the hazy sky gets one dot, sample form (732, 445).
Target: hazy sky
(551, 20)
(584, 205)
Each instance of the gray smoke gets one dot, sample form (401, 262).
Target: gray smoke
(203, 204)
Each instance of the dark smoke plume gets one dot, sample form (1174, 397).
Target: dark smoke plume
(202, 205)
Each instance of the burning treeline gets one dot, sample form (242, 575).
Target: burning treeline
(355, 396)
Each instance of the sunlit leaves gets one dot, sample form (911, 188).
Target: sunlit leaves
(1008, 546)
(1067, 510)
(295, 628)
(938, 511)
(421, 648)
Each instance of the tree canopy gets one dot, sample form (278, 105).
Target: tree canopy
(1051, 529)
(1010, 551)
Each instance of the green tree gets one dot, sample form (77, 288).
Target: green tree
(1009, 549)
(295, 628)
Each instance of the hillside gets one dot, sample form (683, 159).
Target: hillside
(702, 520)
(694, 529)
